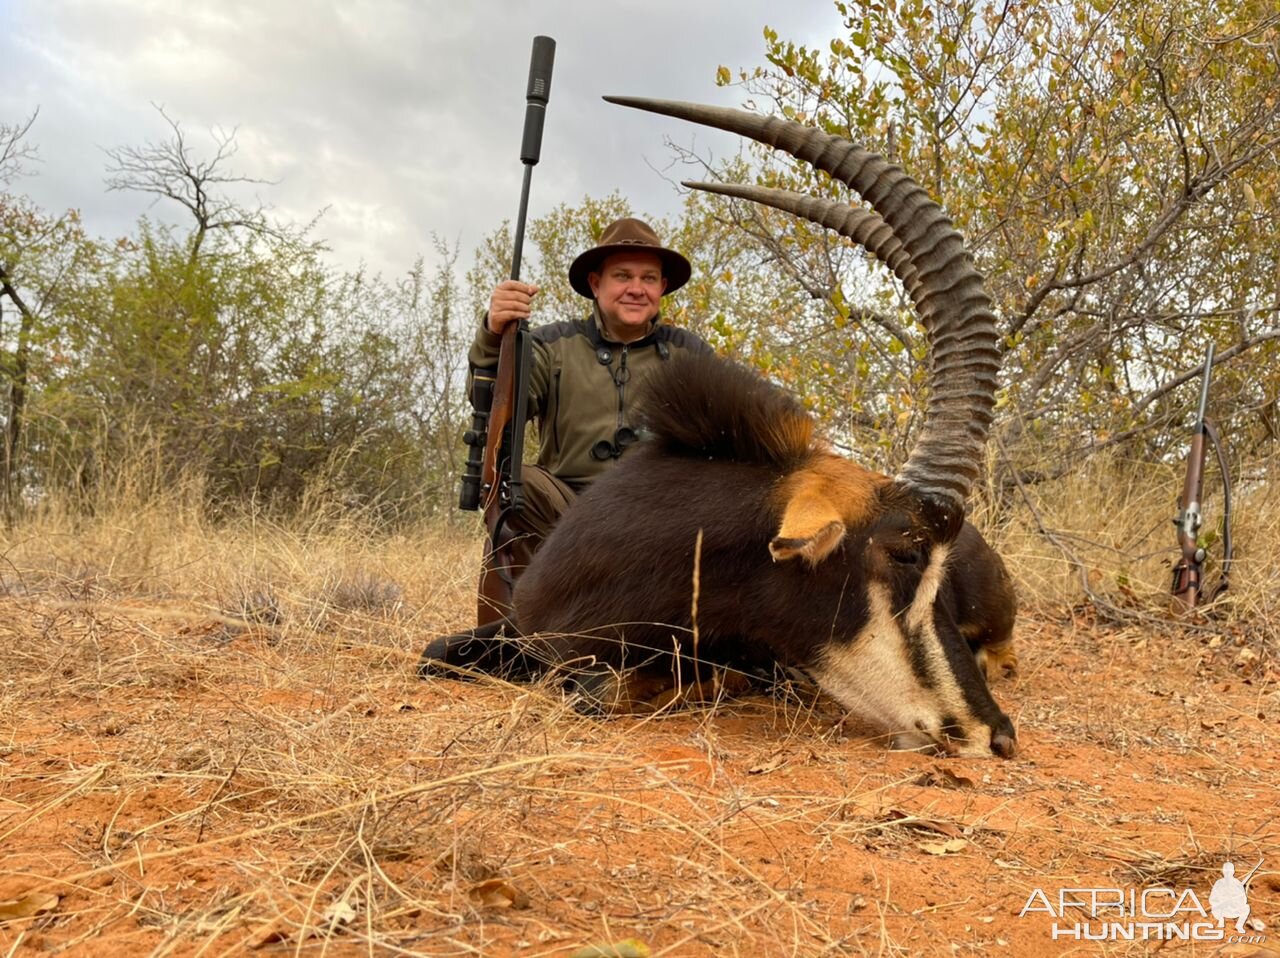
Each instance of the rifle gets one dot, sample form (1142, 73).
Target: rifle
(1188, 573)
(494, 448)
(495, 441)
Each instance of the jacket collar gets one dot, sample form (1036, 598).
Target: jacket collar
(598, 337)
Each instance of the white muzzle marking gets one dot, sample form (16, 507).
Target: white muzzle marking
(872, 674)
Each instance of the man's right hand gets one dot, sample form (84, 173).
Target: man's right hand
(509, 303)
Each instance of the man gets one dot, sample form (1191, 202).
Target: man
(583, 381)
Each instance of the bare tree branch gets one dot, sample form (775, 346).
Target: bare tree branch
(13, 152)
(169, 170)
(1195, 372)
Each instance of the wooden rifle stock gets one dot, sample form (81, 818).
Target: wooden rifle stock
(1188, 574)
(500, 414)
(504, 444)
(501, 468)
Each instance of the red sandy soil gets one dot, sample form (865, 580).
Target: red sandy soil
(172, 787)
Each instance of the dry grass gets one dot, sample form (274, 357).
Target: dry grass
(1105, 533)
(212, 740)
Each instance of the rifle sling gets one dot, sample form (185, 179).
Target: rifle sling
(1227, 548)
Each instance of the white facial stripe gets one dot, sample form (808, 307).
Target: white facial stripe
(948, 694)
(921, 610)
(872, 675)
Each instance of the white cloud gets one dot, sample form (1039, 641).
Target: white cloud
(403, 119)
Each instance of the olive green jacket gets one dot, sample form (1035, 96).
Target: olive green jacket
(582, 388)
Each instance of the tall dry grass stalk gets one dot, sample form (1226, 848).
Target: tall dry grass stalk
(1101, 533)
(142, 537)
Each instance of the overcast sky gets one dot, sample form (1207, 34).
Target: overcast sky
(400, 118)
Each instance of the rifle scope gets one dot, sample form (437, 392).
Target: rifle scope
(474, 438)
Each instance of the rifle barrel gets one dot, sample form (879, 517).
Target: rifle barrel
(541, 62)
(1204, 389)
(520, 220)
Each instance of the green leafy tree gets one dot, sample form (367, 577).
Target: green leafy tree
(1112, 166)
(45, 267)
(224, 349)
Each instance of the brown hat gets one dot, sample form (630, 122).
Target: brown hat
(626, 236)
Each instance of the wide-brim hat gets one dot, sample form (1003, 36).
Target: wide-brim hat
(628, 236)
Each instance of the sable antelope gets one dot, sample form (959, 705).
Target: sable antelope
(875, 587)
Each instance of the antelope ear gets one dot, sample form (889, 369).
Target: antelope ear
(812, 526)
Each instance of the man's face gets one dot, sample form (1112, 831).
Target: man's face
(628, 288)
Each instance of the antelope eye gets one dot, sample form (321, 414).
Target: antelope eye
(905, 555)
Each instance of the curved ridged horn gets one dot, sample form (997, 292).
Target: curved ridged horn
(953, 305)
(867, 228)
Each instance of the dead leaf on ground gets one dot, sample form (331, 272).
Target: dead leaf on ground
(770, 764)
(950, 829)
(943, 848)
(941, 777)
(498, 893)
(37, 903)
(630, 948)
